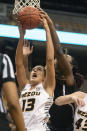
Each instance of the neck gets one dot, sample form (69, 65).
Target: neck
(34, 84)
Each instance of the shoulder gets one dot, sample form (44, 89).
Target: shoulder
(7, 69)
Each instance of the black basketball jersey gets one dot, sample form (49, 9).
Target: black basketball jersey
(62, 116)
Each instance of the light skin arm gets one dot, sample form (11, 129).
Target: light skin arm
(10, 91)
(76, 98)
(50, 72)
(63, 64)
(20, 70)
(26, 52)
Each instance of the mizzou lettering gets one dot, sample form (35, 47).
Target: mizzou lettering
(30, 94)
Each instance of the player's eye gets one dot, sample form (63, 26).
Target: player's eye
(40, 69)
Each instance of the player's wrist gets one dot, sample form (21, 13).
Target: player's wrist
(50, 22)
(73, 99)
(21, 35)
(47, 30)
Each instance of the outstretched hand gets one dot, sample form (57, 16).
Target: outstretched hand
(44, 23)
(45, 15)
(26, 48)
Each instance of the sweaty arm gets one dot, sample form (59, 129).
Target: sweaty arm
(20, 70)
(10, 90)
(50, 72)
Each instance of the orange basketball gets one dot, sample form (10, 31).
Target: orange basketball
(29, 17)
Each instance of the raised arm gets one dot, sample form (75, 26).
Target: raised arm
(50, 72)
(63, 64)
(26, 52)
(20, 70)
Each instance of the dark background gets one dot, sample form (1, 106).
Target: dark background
(77, 6)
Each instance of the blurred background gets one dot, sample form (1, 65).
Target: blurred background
(67, 15)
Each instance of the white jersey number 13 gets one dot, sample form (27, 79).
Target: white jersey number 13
(28, 104)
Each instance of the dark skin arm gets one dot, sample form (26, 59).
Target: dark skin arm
(63, 64)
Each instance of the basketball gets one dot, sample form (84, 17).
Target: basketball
(29, 17)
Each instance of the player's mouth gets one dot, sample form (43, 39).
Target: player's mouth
(34, 75)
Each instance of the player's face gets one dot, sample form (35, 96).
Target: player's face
(37, 74)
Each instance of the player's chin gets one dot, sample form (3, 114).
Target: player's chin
(35, 80)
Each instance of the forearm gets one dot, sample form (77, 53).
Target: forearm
(63, 64)
(10, 91)
(50, 48)
(25, 62)
(57, 48)
(19, 52)
(63, 100)
(55, 39)
(17, 117)
(50, 72)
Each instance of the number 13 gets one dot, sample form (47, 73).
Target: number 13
(28, 104)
